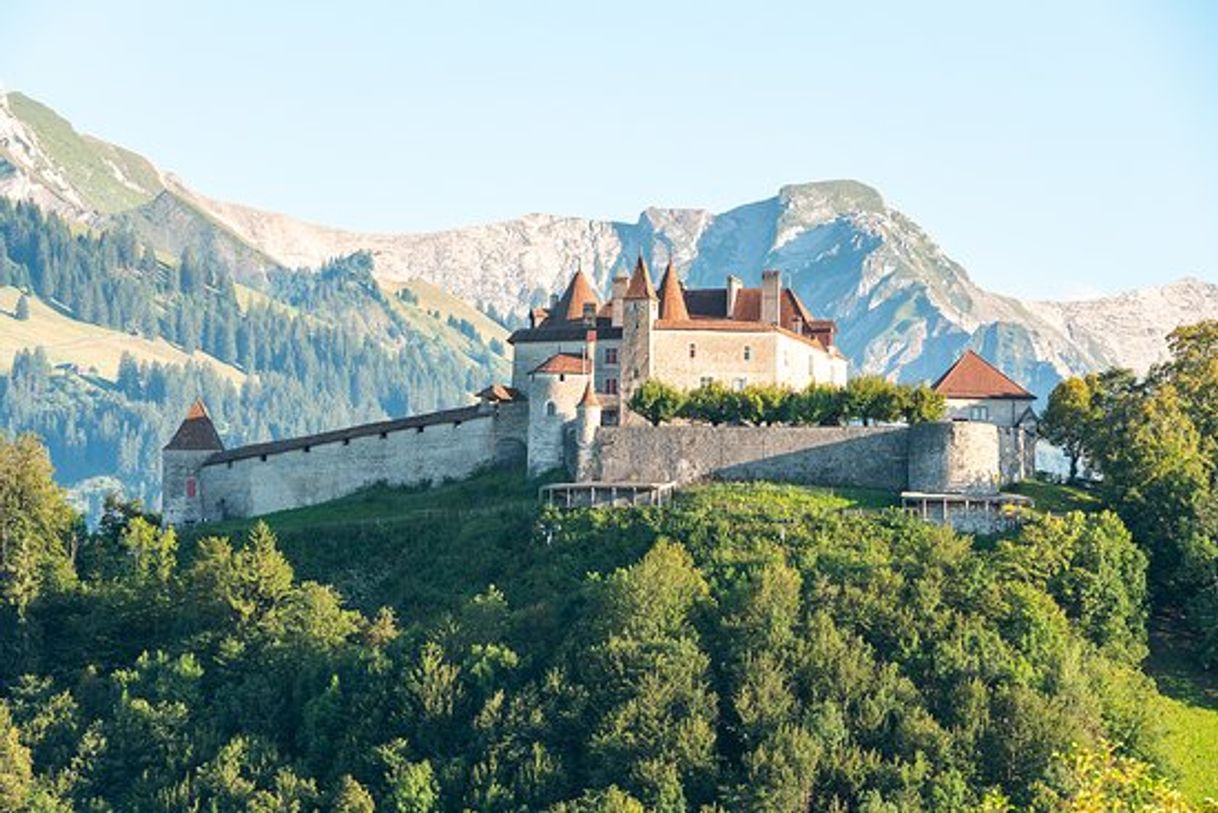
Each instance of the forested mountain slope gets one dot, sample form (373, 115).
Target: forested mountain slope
(315, 350)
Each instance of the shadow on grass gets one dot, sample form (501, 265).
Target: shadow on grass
(1175, 671)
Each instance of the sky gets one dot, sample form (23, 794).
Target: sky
(1054, 149)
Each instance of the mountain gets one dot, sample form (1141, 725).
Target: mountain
(904, 308)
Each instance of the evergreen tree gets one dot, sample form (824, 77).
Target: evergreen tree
(23, 308)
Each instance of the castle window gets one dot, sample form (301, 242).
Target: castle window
(551, 410)
(739, 383)
(228, 465)
(748, 353)
(611, 355)
(978, 413)
(706, 380)
(693, 350)
(346, 441)
(419, 430)
(262, 458)
(611, 386)
(307, 449)
(192, 487)
(384, 435)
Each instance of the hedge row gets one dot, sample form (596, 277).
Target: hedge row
(870, 399)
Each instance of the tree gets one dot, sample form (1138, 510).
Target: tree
(36, 523)
(872, 398)
(352, 797)
(1069, 420)
(711, 402)
(16, 765)
(921, 404)
(657, 402)
(23, 308)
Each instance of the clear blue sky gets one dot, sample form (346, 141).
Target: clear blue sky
(1053, 148)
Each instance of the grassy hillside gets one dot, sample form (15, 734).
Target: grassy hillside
(89, 347)
(110, 179)
(430, 298)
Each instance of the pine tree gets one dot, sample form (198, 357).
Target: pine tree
(23, 308)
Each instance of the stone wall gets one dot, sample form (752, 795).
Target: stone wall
(252, 486)
(954, 457)
(937, 458)
(872, 457)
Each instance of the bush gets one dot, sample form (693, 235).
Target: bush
(657, 402)
(867, 398)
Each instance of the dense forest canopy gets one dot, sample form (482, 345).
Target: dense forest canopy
(321, 349)
(749, 648)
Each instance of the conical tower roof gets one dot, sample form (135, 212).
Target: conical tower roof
(579, 293)
(589, 399)
(196, 433)
(640, 286)
(672, 298)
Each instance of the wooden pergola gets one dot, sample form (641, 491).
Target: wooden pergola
(606, 494)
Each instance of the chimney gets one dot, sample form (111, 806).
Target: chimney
(771, 295)
(733, 290)
(619, 292)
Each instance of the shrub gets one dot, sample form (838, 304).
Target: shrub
(657, 402)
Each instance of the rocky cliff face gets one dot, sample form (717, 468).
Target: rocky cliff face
(903, 307)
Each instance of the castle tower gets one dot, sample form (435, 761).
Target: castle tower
(182, 460)
(587, 421)
(555, 387)
(641, 306)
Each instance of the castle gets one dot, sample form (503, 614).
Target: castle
(575, 369)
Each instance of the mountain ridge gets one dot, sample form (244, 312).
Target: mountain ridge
(904, 307)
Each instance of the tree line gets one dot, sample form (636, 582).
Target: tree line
(1152, 444)
(869, 399)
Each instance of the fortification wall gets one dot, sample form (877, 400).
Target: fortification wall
(939, 457)
(870, 457)
(252, 486)
(955, 457)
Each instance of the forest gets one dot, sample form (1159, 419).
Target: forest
(321, 349)
(749, 648)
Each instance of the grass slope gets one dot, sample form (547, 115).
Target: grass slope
(1057, 499)
(1189, 712)
(110, 179)
(431, 298)
(433, 549)
(91, 347)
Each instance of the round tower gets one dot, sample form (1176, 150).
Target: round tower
(182, 461)
(555, 387)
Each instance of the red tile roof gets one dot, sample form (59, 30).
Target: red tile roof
(196, 433)
(974, 377)
(672, 297)
(579, 293)
(564, 364)
(501, 392)
(640, 286)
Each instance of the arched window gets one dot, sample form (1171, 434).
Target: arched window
(551, 410)
(192, 487)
